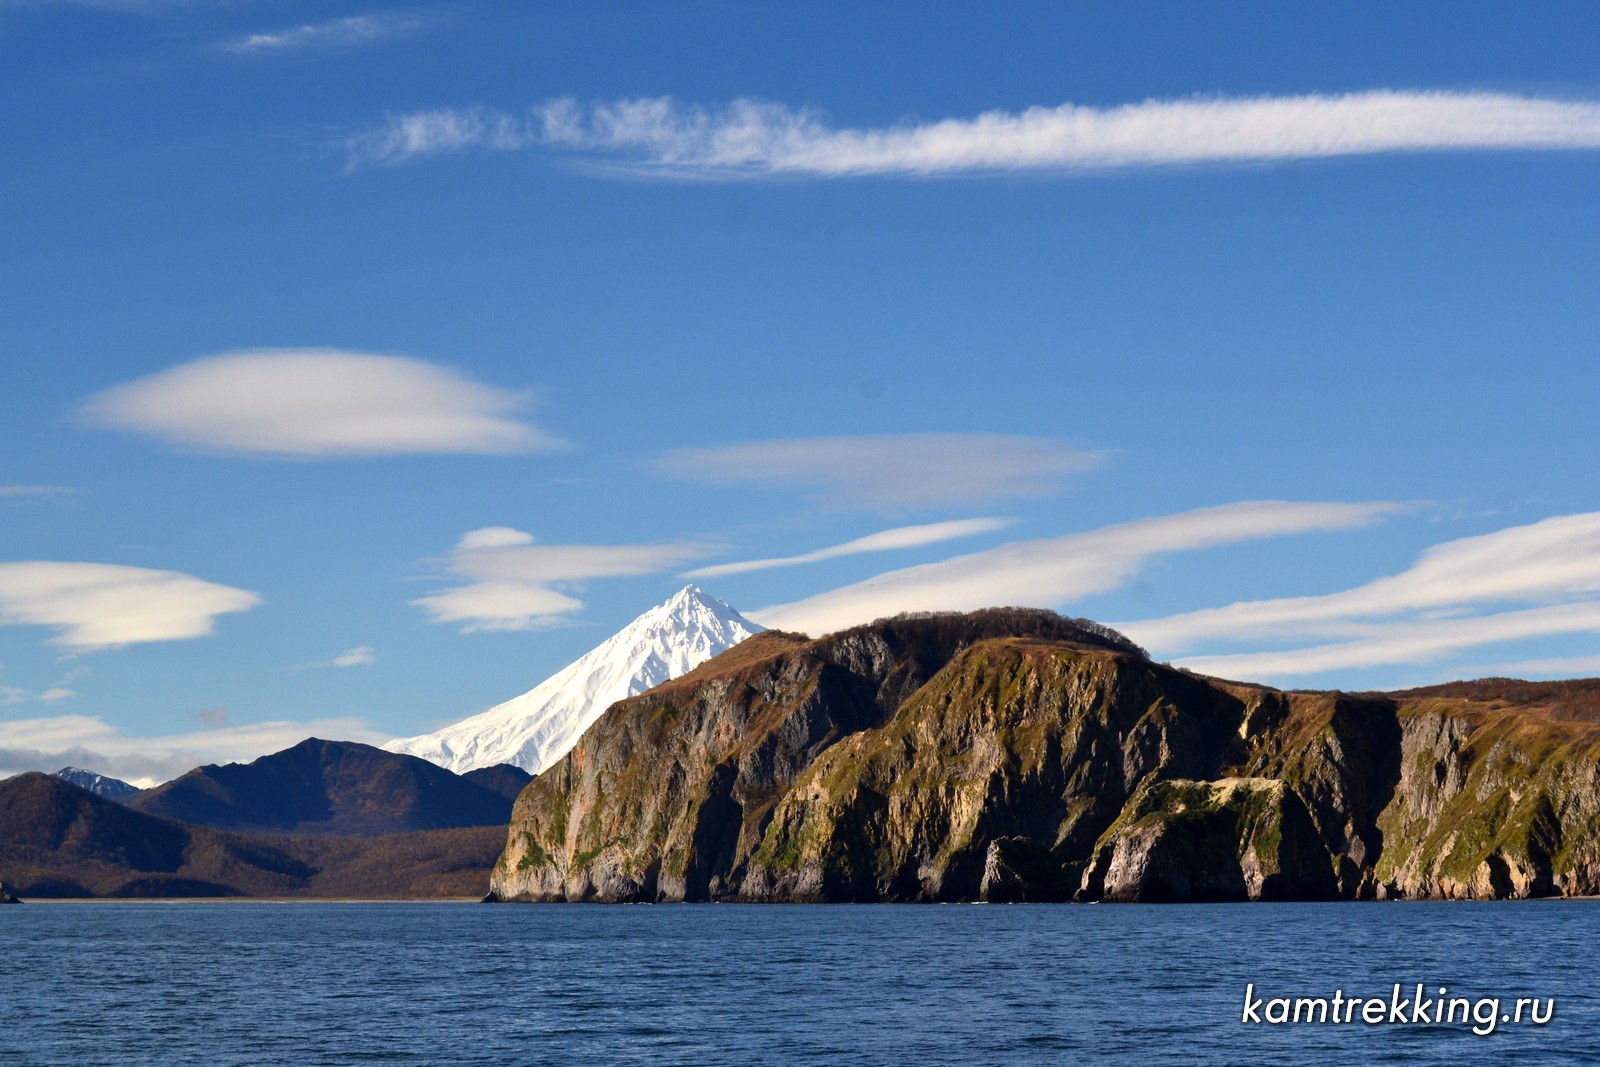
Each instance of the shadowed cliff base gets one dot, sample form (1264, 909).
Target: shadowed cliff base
(1014, 755)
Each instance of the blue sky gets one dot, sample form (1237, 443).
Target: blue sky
(440, 341)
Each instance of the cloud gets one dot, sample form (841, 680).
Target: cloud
(103, 605)
(335, 33)
(47, 744)
(752, 138)
(312, 403)
(884, 541)
(50, 696)
(360, 656)
(1555, 559)
(890, 472)
(1558, 667)
(1052, 572)
(14, 492)
(1410, 641)
(510, 577)
(1428, 612)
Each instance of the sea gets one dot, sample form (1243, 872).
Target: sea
(222, 983)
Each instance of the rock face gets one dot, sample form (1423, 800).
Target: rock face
(7, 896)
(1013, 755)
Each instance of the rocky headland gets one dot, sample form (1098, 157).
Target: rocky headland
(1013, 755)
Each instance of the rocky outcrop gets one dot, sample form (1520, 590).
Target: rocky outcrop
(1017, 756)
(1238, 838)
(7, 896)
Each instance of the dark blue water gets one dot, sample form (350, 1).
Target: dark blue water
(257, 983)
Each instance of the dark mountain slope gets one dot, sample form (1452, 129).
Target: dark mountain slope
(57, 840)
(326, 787)
(507, 779)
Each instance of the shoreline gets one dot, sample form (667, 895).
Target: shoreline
(782, 904)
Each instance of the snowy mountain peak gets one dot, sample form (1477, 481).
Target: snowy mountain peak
(538, 728)
(100, 785)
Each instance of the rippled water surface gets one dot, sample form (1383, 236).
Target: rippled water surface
(261, 983)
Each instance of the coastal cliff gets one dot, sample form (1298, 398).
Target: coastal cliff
(1013, 755)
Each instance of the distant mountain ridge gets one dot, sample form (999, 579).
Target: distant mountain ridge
(327, 787)
(101, 785)
(58, 840)
(536, 729)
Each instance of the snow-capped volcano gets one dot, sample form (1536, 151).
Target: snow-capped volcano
(537, 728)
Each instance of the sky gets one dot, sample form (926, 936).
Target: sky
(363, 365)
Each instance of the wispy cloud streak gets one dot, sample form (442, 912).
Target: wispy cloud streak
(755, 138)
(1409, 641)
(1555, 559)
(884, 541)
(335, 33)
(1440, 605)
(1052, 572)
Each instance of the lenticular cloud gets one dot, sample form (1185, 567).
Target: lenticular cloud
(319, 403)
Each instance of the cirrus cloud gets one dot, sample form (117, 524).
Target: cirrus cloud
(1439, 606)
(318, 403)
(883, 541)
(103, 605)
(1052, 572)
(752, 138)
(335, 33)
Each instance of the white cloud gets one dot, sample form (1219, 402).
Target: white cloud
(360, 656)
(755, 138)
(1556, 559)
(103, 605)
(884, 541)
(1052, 572)
(1409, 641)
(1557, 667)
(50, 696)
(510, 577)
(335, 33)
(47, 744)
(1436, 608)
(889, 472)
(312, 403)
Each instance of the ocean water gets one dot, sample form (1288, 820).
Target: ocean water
(302, 983)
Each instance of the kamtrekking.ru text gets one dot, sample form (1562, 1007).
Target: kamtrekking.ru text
(1402, 1007)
